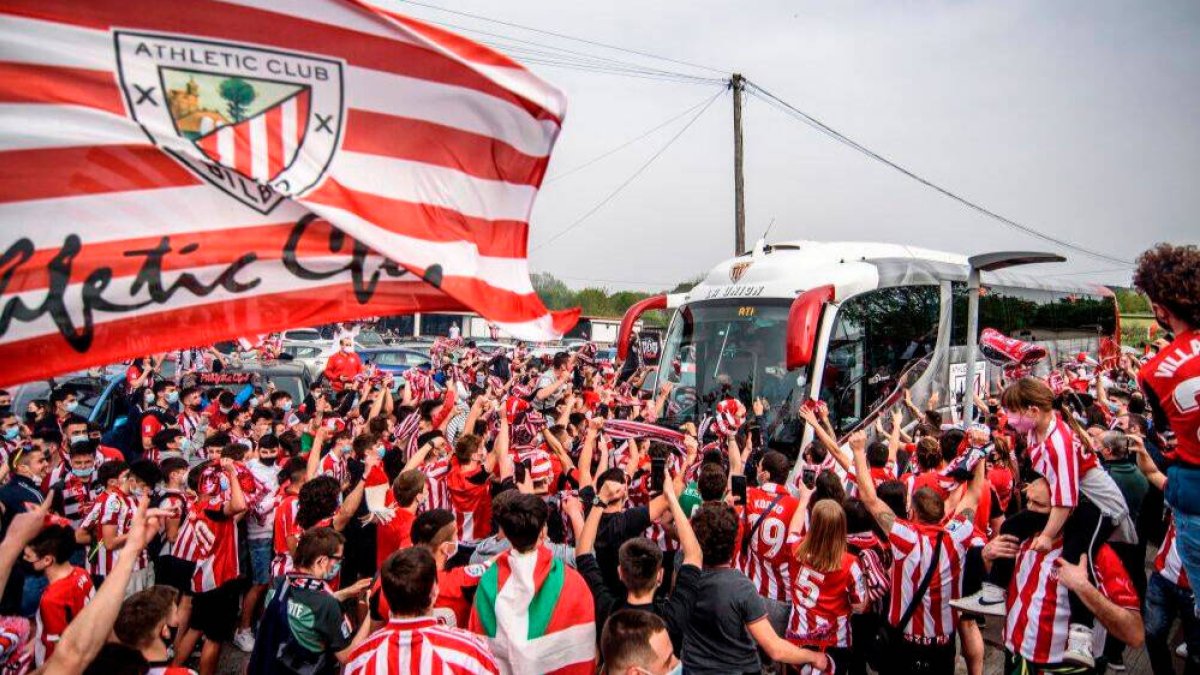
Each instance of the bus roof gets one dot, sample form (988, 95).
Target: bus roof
(784, 269)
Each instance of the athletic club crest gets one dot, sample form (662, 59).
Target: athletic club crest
(738, 270)
(260, 124)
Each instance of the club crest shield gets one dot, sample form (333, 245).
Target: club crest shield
(737, 270)
(260, 124)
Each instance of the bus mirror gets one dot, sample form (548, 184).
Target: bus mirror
(803, 322)
(631, 317)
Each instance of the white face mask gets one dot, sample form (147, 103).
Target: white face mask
(348, 349)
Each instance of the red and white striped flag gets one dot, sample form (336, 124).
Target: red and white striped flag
(176, 174)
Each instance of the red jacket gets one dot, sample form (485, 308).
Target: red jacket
(341, 365)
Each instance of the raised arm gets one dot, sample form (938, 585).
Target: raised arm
(824, 437)
(314, 452)
(692, 554)
(1124, 624)
(882, 513)
(589, 448)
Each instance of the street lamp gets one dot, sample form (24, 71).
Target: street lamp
(977, 264)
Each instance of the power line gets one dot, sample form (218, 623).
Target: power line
(592, 211)
(624, 145)
(567, 37)
(841, 138)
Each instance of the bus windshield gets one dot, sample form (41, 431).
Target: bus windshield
(731, 348)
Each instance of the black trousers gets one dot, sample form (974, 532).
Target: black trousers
(1085, 530)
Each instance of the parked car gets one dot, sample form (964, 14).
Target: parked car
(392, 360)
(294, 378)
(305, 334)
(312, 355)
(101, 398)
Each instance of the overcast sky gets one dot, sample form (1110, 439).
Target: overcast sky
(1080, 118)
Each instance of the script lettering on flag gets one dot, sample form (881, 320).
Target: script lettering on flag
(177, 174)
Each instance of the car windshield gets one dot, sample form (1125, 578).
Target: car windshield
(306, 334)
(731, 348)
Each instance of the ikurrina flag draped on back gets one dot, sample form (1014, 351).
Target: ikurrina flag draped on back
(537, 615)
(176, 173)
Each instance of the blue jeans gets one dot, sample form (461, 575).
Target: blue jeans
(1164, 602)
(1187, 540)
(31, 593)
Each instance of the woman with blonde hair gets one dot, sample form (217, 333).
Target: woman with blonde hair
(828, 584)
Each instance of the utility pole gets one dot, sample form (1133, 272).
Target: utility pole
(736, 82)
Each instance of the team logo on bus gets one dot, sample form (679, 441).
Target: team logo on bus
(260, 124)
(738, 270)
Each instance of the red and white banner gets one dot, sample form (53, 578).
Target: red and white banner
(172, 174)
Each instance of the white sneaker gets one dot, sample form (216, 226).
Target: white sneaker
(244, 640)
(990, 600)
(1181, 650)
(1079, 646)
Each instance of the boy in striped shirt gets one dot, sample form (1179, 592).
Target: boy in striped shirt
(413, 642)
(927, 639)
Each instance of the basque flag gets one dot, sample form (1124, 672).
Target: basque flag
(173, 174)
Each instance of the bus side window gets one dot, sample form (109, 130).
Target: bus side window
(876, 336)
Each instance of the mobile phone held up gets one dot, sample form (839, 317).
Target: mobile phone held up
(809, 476)
(658, 475)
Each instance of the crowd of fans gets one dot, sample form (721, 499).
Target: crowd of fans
(499, 513)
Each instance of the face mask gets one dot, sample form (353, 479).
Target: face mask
(70, 407)
(225, 411)
(78, 438)
(268, 460)
(224, 483)
(334, 571)
(11, 433)
(346, 448)
(1113, 407)
(453, 549)
(137, 492)
(286, 406)
(254, 401)
(173, 397)
(185, 444)
(30, 417)
(149, 396)
(381, 451)
(1022, 424)
(85, 474)
(348, 350)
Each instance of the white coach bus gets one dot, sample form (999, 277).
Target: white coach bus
(853, 324)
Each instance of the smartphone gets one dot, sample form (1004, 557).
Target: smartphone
(658, 474)
(809, 476)
(738, 484)
(528, 463)
(519, 470)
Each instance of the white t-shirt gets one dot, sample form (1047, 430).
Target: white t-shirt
(262, 526)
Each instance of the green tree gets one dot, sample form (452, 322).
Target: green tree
(240, 95)
(1130, 301)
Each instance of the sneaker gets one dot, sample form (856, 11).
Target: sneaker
(1079, 647)
(1117, 663)
(989, 600)
(1181, 650)
(244, 640)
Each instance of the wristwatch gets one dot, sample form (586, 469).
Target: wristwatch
(599, 503)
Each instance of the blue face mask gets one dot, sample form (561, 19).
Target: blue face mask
(83, 473)
(346, 448)
(1114, 407)
(224, 483)
(173, 397)
(381, 451)
(334, 571)
(185, 444)
(286, 406)
(77, 438)
(71, 406)
(149, 396)
(253, 401)
(11, 433)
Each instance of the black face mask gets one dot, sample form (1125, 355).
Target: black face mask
(30, 417)
(268, 461)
